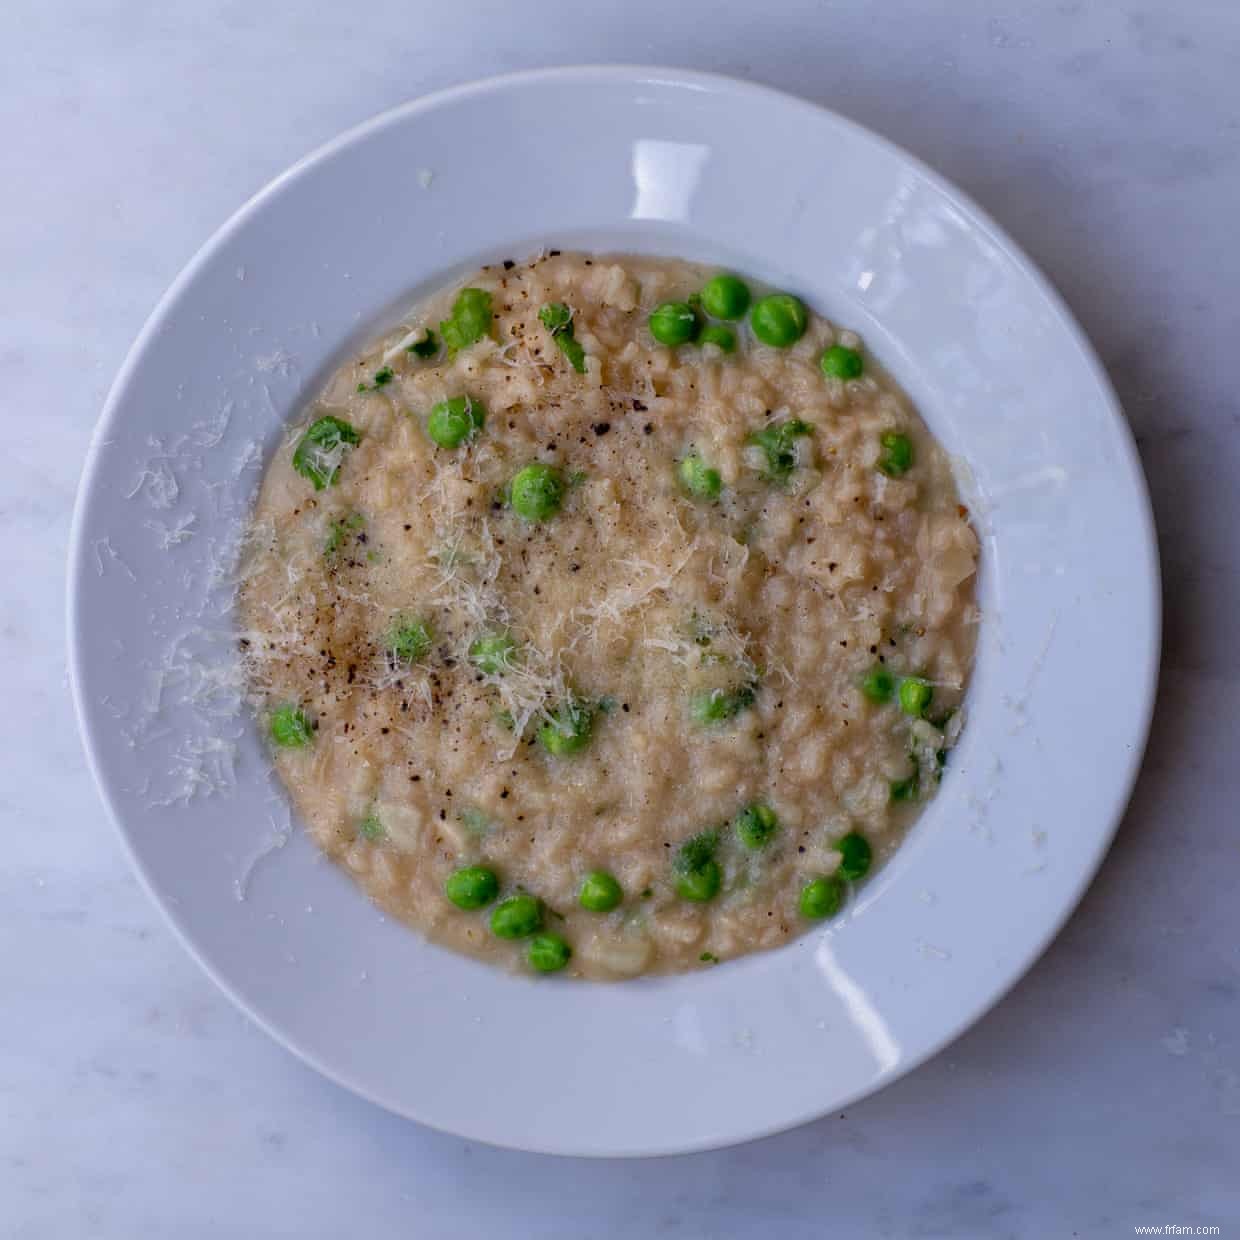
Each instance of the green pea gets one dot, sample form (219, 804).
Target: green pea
(696, 851)
(291, 728)
(709, 706)
(673, 323)
(493, 653)
(779, 320)
(915, 695)
(697, 478)
(698, 876)
(721, 337)
(905, 789)
(755, 825)
(409, 640)
(600, 892)
(517, 917)
(700, 885)
(470, 320)
(855, 856)
(879, 684)
(821, 898)
(896, 457)
(778, 443)
(452, 422)
(725, 297)
(537, 492)
(548, 953)
(569, 731)
(472, 887)
(839, 362)
(321, 450)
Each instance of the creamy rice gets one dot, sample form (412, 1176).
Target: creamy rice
(635, 599)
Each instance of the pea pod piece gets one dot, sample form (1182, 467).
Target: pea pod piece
(470, 319)
(557, 318)
(291, 727)
(321, 450)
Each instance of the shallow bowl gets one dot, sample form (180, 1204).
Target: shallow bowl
(632, 159)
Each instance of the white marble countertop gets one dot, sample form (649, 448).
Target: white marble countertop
(1102, 1094)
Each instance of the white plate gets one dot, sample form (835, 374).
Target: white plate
(683, 164)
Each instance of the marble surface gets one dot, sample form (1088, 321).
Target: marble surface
(1102, 1094)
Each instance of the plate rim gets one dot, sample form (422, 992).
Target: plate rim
(621, 74)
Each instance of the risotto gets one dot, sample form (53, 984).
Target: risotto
(610, 616)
